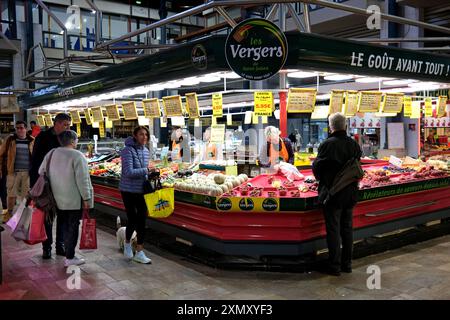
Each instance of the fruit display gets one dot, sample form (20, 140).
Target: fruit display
(110, 169)
(214, 184)
(219, 163)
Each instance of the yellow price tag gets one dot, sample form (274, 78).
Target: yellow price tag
(87, 115)
(129, 110)
(263, 103)
(192, 105)
(217, 104)
(407, 106)
(75, 115)
(428, 107)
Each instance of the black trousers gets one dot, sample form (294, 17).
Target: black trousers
(339, 226)
(47, 244)
(71, 224)
(137, 215)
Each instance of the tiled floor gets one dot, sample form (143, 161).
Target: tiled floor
(420, 271)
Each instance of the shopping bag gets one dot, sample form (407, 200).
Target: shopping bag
(12, 223)
(161, 203)
(88, 232)
(36, 232)
(22, 230)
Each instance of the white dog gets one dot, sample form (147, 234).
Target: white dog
(121, 236)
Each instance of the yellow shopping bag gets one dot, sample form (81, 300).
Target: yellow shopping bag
(160, 204)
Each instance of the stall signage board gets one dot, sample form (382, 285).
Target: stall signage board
(48, 120)
(256, 49)
(407, 106)
(263, 103)
(301, 100)
(97, 114)
(129, 110)
(101, 126)
(151, 108)
(428, 107)
(320, 112)
(192, 105)
(87, 115)
(369, 101)
(351, 103)
(172, 106)
(112, 112)
(336, 100)
(217, 133)
(369, 120)
(75, 115)
(217, 105)
(236, 204)
(41, 121)
(441, 106)
(415, 110)
(392, 103)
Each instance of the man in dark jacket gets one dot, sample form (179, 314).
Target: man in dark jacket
(44, 142)
(333, 154)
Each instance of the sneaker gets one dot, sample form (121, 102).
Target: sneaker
(74, 262)
(142, 258)
(127, 251)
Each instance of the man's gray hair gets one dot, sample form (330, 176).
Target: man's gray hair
(67, 137)
(337, 121)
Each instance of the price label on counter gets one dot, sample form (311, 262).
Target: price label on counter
(87, 115)
(151, 108)
(217, 133)
(369, 101)
(428, 107)
(112, 112)
(407, 106)
(172, 106)
(217, 105)
(192, 105)
(392, 103)
(263, 103)
(97, 114)
(41, 121)
(441, 106)
(129, 110)
(75, 115)
(351, 103)
(336, 101)
(48, 120)
(101, 127)
(301, 100)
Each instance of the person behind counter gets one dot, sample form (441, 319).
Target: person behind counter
(431, 137)
(135, 170)
(275, 149)
(175, 145)
(211, 148)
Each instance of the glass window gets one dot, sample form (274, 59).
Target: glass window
(4, 10)
(20, 11)
(106, 22)
(119, 26)
(134, 28)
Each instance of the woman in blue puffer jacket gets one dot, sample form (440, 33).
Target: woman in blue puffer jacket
(135, 161)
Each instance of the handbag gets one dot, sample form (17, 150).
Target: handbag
(31, 228)
(161, 203)
(88, 239)
(42, 194)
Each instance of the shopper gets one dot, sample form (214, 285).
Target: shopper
(276, 149)
(135, 169)
(16, 152)
(333, 154)
(35, 129)
(71, 186)
(46, 141)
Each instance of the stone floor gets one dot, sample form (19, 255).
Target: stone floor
(420, 271)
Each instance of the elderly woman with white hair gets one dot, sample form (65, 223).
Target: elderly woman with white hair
(276, 149)
(71, 186)
(333, 155)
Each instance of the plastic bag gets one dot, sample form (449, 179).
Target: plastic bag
(289, 171)
(12, 223)
(161, 203)
(88, 232)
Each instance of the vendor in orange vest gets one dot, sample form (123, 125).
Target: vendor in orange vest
(175, 145)
(211, 148)
(276, 149)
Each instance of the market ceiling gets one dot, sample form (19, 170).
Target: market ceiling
(305, 51)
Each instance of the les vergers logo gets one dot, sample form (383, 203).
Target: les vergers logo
(256, 49)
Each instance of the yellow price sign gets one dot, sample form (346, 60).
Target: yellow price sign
(41, 121)
(369, 101)
(301, 100)
(351, 103)
(192, 105)
(48, 120)
(78, 129)
(407, 106)
(101, 126)
(97, 114)
(112, 112)
(393, 103)
(441, 106)
(172, 106)
(129, 110)
(428, 107)
(336, 101)
(217, 133)
(263, 103)
(75, 115)
(217, 105)
(151, 108)
(87, 115)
